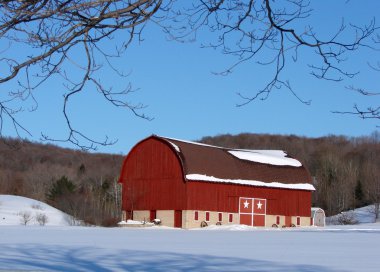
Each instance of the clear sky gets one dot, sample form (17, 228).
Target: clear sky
(188, 101)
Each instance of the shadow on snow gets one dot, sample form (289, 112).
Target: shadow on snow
(58, 258)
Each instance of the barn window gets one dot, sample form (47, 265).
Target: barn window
(207, 216)
(152, 215)
(196, 215)
(220, 217)
(298, 221)
(278, 220)
(230, 218)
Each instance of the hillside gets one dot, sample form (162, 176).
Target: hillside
(17, 210)
(37, 170)
(345, 171)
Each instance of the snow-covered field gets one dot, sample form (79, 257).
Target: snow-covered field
(224, 248)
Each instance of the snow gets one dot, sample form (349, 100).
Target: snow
(188, 142)
(12, 208)
(363, 215)
(155, 249)
(130, 222)
(214, 248)
(300, 186)
(273, 157)
(175, 147)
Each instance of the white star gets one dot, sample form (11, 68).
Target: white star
(259, 205)
(246, 204)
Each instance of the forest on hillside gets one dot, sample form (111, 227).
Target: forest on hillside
(79, 183)
(345, 172)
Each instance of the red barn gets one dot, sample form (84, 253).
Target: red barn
(186, 184)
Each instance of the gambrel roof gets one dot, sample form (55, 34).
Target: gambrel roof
(267, 168)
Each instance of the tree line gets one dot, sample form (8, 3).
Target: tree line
(82, 184)
(345, 172)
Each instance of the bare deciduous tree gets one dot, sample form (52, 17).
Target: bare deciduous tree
(42, 219)
(25, 217)
(247, 29)
(70, 41)
(57, 37)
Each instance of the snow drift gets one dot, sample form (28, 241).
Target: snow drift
(15, 209)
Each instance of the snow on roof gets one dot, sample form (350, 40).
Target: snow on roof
(202, 162)
(300, 186)
(188, 142)
(175, 146)
(273, 157)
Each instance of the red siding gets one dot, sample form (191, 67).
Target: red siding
(225, 198)
(152, 178)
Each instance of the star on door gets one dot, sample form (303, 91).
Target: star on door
(259, 205)
(246, 204)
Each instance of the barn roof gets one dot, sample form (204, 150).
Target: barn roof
(267, 168)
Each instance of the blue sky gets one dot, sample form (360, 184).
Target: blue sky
(188, 101)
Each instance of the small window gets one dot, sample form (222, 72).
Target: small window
(196, 215)
(230, 218)
(298, 221)
(278, 220)
(220, 217)
(207, 216)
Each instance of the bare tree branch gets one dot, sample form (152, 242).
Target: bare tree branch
(252, 29)
(51, 31)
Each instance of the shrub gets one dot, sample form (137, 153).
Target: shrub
(347, 218)
(41, 218)
(37, 206)
(26, 217)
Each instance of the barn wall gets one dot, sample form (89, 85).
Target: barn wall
(141, 216)
(152, 178)
(166, 217)
(189, 222)
(225, 198)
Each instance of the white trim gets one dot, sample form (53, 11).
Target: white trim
(252, 213)
(259, 199)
